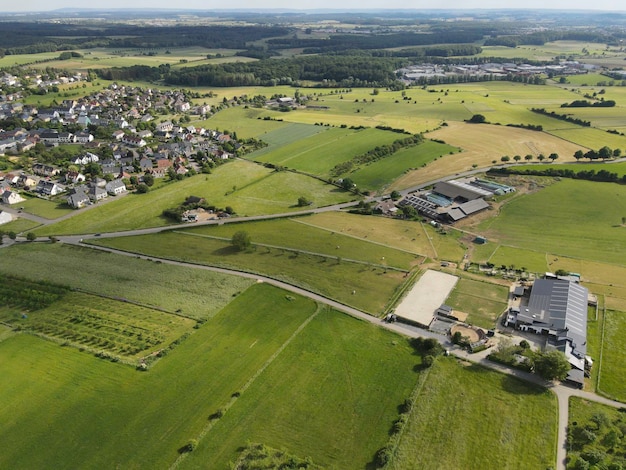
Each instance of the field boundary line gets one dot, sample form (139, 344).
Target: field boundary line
(430, 241)
(357, 238)
(251, 380)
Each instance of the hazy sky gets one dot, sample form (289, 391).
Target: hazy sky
(47, 5)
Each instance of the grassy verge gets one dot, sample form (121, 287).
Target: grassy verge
(611, 381)
(470, 417)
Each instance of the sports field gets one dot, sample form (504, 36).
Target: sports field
(502, 417)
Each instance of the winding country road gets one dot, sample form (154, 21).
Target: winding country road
(563, 393)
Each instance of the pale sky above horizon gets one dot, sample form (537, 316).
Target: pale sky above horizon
(46, 5)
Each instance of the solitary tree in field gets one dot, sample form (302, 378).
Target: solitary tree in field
(517, 158)
(505, 159)
(528, 157)
(553, 156)
(579, 154)
(241, 240)
(30, 236)
(303, 202)
(541, 157)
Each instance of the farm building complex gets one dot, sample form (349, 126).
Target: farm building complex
(557, 308)
(453, 200)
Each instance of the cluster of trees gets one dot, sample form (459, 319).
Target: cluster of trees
(589, 175)
(375, 154)
(541, 37)
(561, 117)
(531, 127)
(597, 442)
(37, 37)
(176, 213)
(604, 153)
(343, 42)
(344, 71)
(589, 104)
(551, 365)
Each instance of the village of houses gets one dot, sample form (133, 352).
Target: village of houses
(158, 149)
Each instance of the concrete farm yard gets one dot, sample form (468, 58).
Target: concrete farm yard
(166, 345)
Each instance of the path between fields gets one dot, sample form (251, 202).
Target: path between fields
(562, 392)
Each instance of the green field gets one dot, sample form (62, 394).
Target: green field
(595, 434)
(360, 285)
(378, 175)
(19, 225)
(482, 301)
(556, 227)
(196, 293)
(356, 377)
(293, 235)
(244, 121)
(111, 408)
(248, 188)
(611, 381)
(524, 259)
(619, 167)
(43, 208)
(468, 417)
(337, 409)
(101, 324)
(318, 154)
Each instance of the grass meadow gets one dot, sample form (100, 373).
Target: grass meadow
(248, 188)
(557, 227)
(293, 235)
(196, 293)
(19, 225)
(360, 285)
(356, 377)
(43, 208)
(611, 380)
(484, 302)
(468, 417)
(337, 409)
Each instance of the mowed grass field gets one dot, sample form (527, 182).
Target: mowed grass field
(466, 416)
(337, 410)
(43, 208)
(248, 188)
(579, 219)
(360, 285)
(318, 154)
(293, 235)
(611, 380)
(111, 408)
(196, 293)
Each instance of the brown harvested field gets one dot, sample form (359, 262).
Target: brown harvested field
(481, 144)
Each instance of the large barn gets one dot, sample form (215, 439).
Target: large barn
(557, 308)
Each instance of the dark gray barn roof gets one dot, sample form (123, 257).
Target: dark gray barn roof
(561, 307)
(456, 189)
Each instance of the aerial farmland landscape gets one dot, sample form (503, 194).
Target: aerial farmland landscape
(377, 238)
